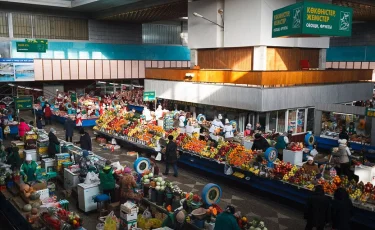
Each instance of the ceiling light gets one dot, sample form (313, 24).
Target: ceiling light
(38, 89)
(113, 83)
(11, 84)
(101, 82)
(184, 18)
(22, 87)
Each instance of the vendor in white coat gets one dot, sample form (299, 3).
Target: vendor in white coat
(181, 120)
(216, 123)
(228, 131)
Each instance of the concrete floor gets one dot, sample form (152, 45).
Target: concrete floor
(277, 215)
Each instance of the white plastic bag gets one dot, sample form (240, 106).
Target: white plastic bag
(117, 166)
(158, 157)
(113, 142)
(228, 169)
(91, 178)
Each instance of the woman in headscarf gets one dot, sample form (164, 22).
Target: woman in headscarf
(127, 186)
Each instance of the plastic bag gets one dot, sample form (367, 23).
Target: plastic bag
(117, 166)
(91, 178)
(146, 214)
(158, 157)
(113, 142)
(228, 170)
(110, 222)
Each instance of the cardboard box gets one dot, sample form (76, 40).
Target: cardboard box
(128, 217)
(129, 208)
(60, 158)
(127, 225)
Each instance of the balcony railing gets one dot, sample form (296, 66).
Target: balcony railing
(261, 78)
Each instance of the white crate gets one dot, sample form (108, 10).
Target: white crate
(125, 209)
(128, 217)
(44, 193)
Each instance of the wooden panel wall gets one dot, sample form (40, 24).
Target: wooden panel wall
(289, 58)
(56, 69)
(226, 58)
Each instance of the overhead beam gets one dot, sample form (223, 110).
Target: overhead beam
(77, 3)
(54, 3)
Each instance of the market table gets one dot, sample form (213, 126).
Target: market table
(85, 122)
(329, 143)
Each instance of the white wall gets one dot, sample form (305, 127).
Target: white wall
(247, 23)
(202, 33)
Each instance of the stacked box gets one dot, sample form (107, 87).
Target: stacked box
(128, 225)
(42, 149)
(48, 164)
(59, 159)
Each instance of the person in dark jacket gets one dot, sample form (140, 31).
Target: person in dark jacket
(317, 211)
(260, 143)
(344, 134)
(39, 123)
(13, 158)
(53, 143)
(69, 128)
(85, 140)
(171, 156)
(342, 210)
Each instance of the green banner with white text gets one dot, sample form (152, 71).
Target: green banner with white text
(312, 19)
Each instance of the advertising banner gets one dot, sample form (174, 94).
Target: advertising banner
(312, 19)
(16, 69)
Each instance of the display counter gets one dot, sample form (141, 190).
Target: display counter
(90, 122)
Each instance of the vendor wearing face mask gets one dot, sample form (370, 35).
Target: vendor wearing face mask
(28, 169)
(310, 166)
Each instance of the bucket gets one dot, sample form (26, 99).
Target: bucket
(100, 226)
(160, 198)
(153, 195)
(51, 188)
(146, 188)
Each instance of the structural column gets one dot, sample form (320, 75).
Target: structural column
(260, 58)
(193, 58)
(322, 58)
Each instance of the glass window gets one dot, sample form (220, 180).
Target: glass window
(292, 115)
(273, 121)
(281, 121)
(310, 119)
(300, 120)
(262, 120)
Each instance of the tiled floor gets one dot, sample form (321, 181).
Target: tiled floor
(277, 216)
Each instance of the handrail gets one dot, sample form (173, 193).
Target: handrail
(261, 78)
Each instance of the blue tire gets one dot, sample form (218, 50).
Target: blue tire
(141, 164)
(211, 194)
(271, 154)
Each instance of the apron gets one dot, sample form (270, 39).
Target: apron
(30, 174)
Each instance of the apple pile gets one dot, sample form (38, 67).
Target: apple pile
(282, 169)
(296, 146)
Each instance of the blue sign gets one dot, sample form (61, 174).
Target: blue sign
(16, 69)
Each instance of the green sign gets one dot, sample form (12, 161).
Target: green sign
(31, 47)
(23, 103)
(312, 19)
(149, 96)
(38, 41)
(370, 112)
(73, 97)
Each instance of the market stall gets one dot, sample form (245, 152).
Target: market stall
(359, 123)
(253, 168)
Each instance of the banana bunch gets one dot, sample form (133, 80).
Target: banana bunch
(239, 175)
(310, 186)
(253, 170)
(285, 177)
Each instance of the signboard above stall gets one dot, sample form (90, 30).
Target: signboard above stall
(32, 46)
(149, 96)
(23, 103)
(312, 19)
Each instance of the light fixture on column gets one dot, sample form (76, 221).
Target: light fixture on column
(221, 12)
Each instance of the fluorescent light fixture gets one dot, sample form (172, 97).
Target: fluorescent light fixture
(22, 87)
(138, 86)
(11, 84)
(38, 89)
(102, 82)
(113, 83)
(184, 18)
(28, 88)
(197, 15)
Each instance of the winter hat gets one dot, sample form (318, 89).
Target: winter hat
(226, 121)
(28, 157)
(85, 153)
(310, 158)
(342, 141)
(52, 130)
(248, 126)
(220, 117)
(127, 170)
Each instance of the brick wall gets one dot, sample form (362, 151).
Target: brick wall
(363, 34)
(115, 32)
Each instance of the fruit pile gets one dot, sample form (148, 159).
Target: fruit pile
(194, 145)
(239, 156)
(296, 146)
(281, 169)
(69, 217)
(209, 152)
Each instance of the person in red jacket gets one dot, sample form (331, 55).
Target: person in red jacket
(23, 128)
(47, 114)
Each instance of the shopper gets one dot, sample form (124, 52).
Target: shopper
(281, 143)
(13, 158)
(260, 143)
(127, 186)
(84, 166)
(317, 210)
(85, 140)
(54, 143)
(108, 180)
(39, 123)
(23, 128)
(248, 131)
(342, 210)
(226, 220)
(171, 156)
(344, 134)
(310, 166)
(343, 158)
(28, 169)
(69, 129)
(258, 127)
(47, 114)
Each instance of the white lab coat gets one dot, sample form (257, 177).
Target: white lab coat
(228, 130)
(181, 120)
(216, 124)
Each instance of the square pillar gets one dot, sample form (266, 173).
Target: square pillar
(193, 58)
(260, 58)
(322, 58)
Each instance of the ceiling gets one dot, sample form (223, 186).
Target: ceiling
(363, 10)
